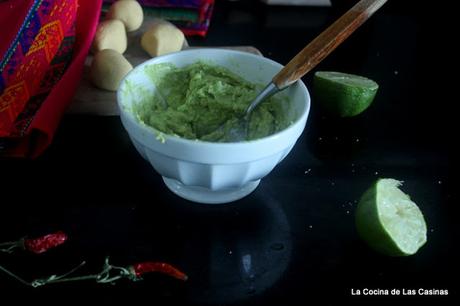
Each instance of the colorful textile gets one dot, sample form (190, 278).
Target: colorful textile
(29, 58)
(52, 75)
(42, 54)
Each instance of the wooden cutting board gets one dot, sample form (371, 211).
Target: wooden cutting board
(91, 100)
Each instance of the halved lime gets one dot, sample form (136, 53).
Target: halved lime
(344, 94)
(389, 221)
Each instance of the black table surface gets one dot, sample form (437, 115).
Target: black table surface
(293, 240)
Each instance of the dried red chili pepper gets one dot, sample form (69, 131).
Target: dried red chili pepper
(44, 243)
(140, 269)
(111, 274)
(35, 245)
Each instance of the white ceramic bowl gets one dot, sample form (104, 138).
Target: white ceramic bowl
(210, 172)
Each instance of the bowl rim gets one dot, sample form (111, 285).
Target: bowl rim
(129, 114)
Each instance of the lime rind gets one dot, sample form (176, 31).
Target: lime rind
(344, 94)
(389, 221)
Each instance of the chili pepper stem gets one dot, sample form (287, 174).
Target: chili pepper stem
(61, 278)
(8, 247)
(109, 273)
(8, 243)
(15, 276)
(53, 280)
(103, 277)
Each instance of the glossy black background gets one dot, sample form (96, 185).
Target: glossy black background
(297, 226)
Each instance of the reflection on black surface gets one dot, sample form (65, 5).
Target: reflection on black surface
(231, 252)
(234, 251)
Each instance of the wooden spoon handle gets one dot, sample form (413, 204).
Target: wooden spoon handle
(326, 42)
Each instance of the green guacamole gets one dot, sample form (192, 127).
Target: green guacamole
(204, 101)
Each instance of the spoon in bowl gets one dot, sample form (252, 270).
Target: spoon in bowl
(310, 56)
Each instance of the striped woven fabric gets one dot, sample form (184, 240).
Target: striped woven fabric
(34, 59)
(43, 47)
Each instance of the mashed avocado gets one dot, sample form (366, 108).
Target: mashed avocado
(203, 101)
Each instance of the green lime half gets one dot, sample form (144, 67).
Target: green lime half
(343, 94)
(389, 221)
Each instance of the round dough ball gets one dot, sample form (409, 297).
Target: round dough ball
(162, 38)
(110, 34)
(129, 12)
(108, 68)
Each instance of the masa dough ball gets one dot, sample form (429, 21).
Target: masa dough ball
(129, 12)
(110, 34)
(162, 38)
(108, 68)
